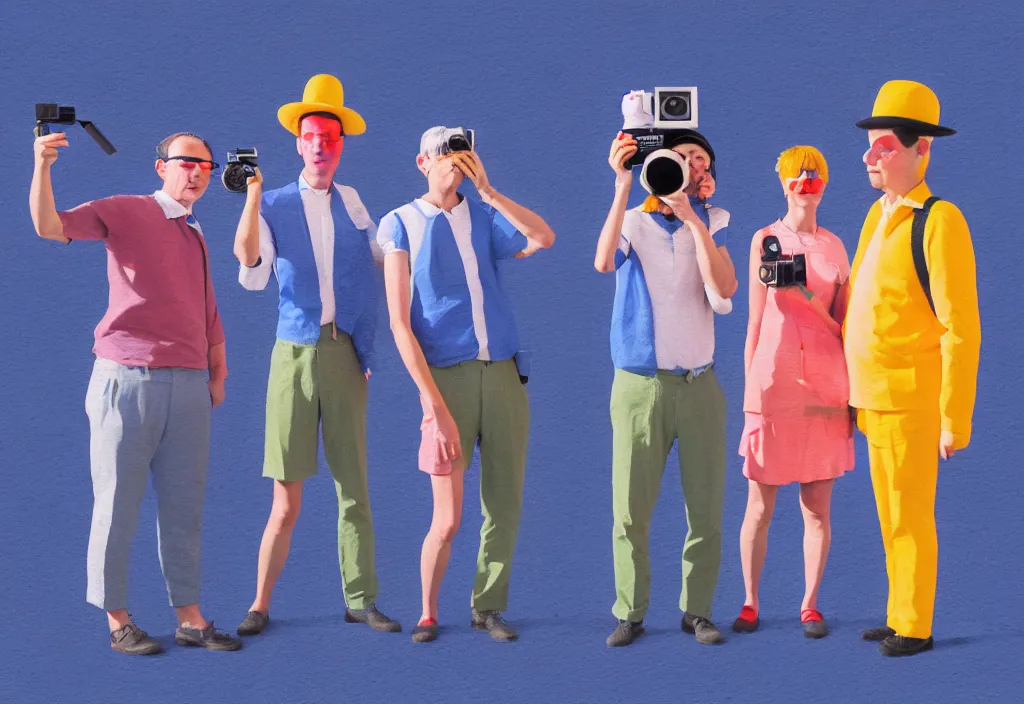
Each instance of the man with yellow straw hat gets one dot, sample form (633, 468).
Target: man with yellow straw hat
(318, 239)
(912, 339)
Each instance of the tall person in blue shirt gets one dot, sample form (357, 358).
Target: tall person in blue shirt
(317, 238)
(456, 332)
(672, 274)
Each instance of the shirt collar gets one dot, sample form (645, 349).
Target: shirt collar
(172, 208)
(304, 186)
(430, 210)
(914, 199)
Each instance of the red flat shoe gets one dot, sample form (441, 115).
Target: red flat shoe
(748, 620)
(814, 623)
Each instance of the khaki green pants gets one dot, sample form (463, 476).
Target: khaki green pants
(490, 408)
(310, 385)
(648, 414)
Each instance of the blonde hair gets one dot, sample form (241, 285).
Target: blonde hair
(651, 204)
(801, 158)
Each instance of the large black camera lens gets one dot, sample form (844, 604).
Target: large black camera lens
(458, 143)
(664, 176)
(235, 177)
(675, 107)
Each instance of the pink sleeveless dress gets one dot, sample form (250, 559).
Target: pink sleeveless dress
(796, 397)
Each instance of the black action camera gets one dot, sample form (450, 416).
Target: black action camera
(53, 114)
(240, 167)
(778, 269)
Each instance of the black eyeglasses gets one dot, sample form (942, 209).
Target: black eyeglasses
(204, 164)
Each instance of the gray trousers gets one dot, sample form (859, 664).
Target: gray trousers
(145, 421)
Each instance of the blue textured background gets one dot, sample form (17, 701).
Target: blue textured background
(541, 83)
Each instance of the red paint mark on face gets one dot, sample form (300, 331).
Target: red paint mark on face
(882, 149)
(807, 183)
(324, 131)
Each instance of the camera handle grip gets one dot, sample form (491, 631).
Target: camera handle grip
(41, 130)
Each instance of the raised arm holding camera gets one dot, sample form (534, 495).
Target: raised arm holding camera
(456, 332)
(160, 369)
(673, 273)
(318, 239)
(797, 427)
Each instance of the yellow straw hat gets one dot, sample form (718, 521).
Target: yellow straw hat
(323, 93)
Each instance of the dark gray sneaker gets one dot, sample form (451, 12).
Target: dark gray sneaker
(373, 618)
(701, 627)
(625, 633)
(132, 640)
(254, 623)
(208, 637)
(877, 634)
(493, 623)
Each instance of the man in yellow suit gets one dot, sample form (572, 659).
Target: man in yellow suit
(912, 337)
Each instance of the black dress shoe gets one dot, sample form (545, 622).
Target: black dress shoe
(625, 633)
(896, 645)
(373, 618)
(425, 632)
(877, 634)
(132, 640)
(254, 623)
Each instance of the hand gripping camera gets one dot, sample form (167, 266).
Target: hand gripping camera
(778, 269)
(653, 121)
(240, 167)
(53, 114)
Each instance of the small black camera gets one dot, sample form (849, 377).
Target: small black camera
(53, 114)
(240, 167)
(461, 140)
(778, 269)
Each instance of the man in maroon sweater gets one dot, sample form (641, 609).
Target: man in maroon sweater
(160, 369)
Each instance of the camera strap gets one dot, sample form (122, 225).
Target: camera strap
(917, 247)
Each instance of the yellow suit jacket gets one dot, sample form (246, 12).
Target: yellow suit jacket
(900, 355)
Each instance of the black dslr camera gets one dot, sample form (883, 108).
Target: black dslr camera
(240, 167)
(778, 269)
(53, 114)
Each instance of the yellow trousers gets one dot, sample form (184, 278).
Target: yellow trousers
(903, 449)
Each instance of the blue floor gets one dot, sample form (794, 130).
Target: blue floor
(541, 83)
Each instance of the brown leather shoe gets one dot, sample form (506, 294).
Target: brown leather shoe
(132, 640)
(373, 618)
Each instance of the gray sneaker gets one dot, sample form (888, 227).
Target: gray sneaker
(493, 623)
(132, 640)
(705, 631)
(625, 633)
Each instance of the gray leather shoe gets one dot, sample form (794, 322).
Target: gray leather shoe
(254, 623)
(625, 633)
(132, 640)
(373, 618)
(705, 631)
(209, 638)
(493, 623)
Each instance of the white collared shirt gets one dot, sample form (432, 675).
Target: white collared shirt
(317, 206)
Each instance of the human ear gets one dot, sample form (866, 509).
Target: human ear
(923, 146)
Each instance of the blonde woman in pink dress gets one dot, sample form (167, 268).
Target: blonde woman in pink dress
(798, 427)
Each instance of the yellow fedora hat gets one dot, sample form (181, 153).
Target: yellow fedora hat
(323, 93)
(906, 104)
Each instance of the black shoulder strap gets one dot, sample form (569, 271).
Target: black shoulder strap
(917, 247)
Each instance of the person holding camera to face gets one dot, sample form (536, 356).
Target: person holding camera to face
(318, 239)
(798, 427)
(455, 329)
(673, 273)
(159, 371)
